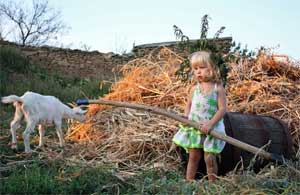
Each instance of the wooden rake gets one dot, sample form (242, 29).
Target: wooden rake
(257, 151)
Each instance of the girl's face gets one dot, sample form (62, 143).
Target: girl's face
(202, 72)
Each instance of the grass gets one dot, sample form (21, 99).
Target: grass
(61, 178)
(54, 178)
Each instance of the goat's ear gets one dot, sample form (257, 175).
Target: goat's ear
(83, 111)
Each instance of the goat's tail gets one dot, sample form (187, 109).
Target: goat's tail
(11, 99)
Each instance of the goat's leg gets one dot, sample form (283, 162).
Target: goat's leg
(26, 135)
(42, 133)
(60, 134)
(14, 125)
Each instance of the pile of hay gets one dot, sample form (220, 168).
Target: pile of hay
(137, 140)
(131, 138)
(269, 85)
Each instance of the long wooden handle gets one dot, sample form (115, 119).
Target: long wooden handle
(228, 139)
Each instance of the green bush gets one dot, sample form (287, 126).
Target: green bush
(11, 60)
(221, 54)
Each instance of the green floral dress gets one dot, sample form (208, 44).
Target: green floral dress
(203, 108)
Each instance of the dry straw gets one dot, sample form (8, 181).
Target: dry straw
(139, 140)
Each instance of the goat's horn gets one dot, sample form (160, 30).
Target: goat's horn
(72, 104)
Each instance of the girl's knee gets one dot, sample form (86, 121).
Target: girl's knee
(194, 158)
(194, 155)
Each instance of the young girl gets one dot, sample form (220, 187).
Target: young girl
(207, 106)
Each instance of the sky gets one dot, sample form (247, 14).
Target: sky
(117, 25)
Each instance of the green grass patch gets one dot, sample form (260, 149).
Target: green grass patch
(62, 178)
(55, 178)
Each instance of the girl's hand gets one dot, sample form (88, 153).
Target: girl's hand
(206, 127)
(184, 116)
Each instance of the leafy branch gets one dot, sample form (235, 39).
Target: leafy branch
(221, 53)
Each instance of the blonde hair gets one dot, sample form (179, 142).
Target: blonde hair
(204, 57)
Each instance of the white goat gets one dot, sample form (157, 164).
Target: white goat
(39, 110)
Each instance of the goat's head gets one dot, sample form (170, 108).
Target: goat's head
(79, 114)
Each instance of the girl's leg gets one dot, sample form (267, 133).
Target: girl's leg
(211, 166)
(193, 163)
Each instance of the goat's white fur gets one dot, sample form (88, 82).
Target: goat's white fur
(40, 110)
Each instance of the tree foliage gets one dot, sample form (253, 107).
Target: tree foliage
(31, 26)
(221, 54)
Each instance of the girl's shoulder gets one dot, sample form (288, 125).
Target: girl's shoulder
(192, 89)
(220, 89)
(219, 86)
(194, 86)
